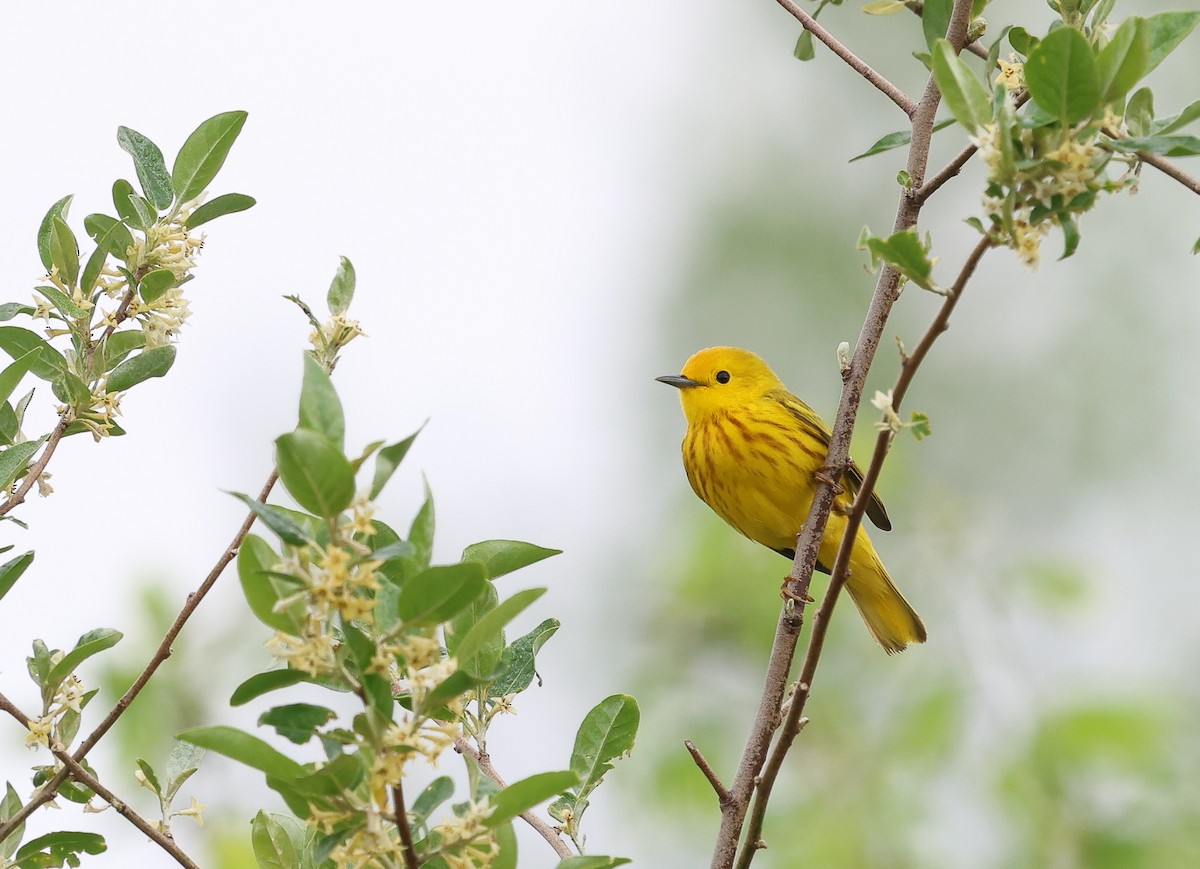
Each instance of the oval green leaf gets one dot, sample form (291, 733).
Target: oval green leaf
(227, 203)
(149, 164)
(1062, 76)
(315, 472)
(147, 364)
(204, 153)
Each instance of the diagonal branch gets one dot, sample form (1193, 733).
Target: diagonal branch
(837, 460)
(485, 766)
(406, 837)
(50, 788)
(855, 62)
(81, 775)
(794, 722)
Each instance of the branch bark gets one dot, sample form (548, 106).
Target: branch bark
(852, 60)
(485, 766)
(50, 788)
(837, 460)
(81, 775)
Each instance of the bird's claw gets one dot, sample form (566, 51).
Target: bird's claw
(785, 592)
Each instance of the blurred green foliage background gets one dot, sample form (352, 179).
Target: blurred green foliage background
(1045, 531)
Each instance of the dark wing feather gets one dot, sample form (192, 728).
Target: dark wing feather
(815, 426)
(790, 554)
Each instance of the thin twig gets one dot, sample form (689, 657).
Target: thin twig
(709, 773)
(406, 837)
(951, 169)
(550, 834)
(1162, 164)
(81, 775)
(50, 788)
(35, 471)
(852, 60)
(794, 722)
(837, 460)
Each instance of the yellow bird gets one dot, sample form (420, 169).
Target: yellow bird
(752, 451)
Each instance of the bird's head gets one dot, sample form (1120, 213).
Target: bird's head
(721, 378)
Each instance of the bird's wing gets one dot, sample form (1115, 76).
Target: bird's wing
(814, 425)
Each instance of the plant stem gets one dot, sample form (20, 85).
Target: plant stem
(81, 775)
(406, 839)
(485, 766)
(852, 60)
(50, 788)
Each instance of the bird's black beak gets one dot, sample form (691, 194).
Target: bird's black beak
(678, 381)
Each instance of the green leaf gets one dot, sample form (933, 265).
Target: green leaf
(9, 806)
(592, 861)
(420, 535)
(120, 345)
(1140, 112)
(341, 290)
(122, 195)
(263, 683)
(504, 556)
(155, 283)
(150, 776)
(182, 762)
(14, 459)
(883, 7)
(110, 235)
(436, 792)
(63, 303)
(320, 407)
(64, 251)
(1177, 122)
(1022, 41)
(150, 166)
(264, 589)
(315, 472)
(1122, 63)
(11, 570)
(277, 519)
(92, 643)
(1166, 30)
(919, 425)
(965, 95)
(58, 849)
(278, 841)
(388, 460)
(1170, 146)
(1070, 230)
(247, 749)
(479, 651)
(219, 206)
(336, 778)
(804, 47)
(149, 363)
(204, 153)
(57, 210)
(518, 663)
(905, 252)
(11, 309)
(438, 594)
(607, 733)
(10, 377)
(479, 662)
(144, 215)
(523, 795)
(935, 21)
(297, 722)
(1062, 76)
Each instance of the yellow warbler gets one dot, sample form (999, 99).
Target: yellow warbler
(752, 451)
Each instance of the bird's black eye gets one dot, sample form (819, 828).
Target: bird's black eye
(722, 377)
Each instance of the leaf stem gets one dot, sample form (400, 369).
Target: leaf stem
(852, 60)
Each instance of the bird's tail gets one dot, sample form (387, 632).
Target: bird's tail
(890, 618)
